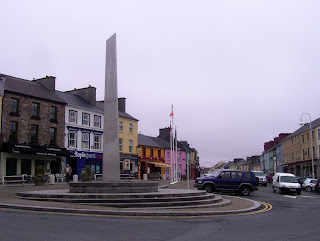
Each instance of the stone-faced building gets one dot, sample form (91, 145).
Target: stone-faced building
(32, 127)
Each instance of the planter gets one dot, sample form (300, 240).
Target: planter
(86, 178)
(40, 181)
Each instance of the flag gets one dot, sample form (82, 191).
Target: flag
(171, 114)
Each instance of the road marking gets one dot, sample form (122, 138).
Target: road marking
(290, 196)
(308, 196)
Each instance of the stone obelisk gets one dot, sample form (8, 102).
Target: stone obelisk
(111, 156)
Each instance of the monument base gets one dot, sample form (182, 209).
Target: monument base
(114, 187)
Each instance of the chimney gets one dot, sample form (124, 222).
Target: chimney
(88, 94)
(122, 104)
(164, 133)
(48, 82)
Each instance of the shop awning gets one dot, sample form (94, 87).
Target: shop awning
(159, 164)
(37, 150)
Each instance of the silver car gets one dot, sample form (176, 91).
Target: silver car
(262, 177)
(309, 184)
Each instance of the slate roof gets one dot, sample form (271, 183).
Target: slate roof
(147, 141)
(29, 88)
(76, 100)
(304, 128)
(120, 113)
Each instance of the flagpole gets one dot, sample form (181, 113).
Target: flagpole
(176, 154)
(171, 173)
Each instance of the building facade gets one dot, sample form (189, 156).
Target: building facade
(32, 127)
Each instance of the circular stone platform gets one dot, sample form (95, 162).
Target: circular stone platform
(114, 187)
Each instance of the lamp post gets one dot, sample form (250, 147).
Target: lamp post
(302, 123)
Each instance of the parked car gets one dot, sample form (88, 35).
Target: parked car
(261, 178)
(242, 182)
(309, 184)
(302, 179)
(316, 187)
(270, 176)
(285, 183)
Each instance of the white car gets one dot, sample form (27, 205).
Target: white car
(285, 183)
(309, 184)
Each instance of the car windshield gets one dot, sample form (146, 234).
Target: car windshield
(289, 179)
(214, 173)
(258, 173)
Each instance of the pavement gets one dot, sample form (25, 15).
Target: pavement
(9, 200)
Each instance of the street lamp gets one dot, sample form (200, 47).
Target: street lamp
(302, 123)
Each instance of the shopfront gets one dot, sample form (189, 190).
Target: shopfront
(79, 159)
(17, 159)
(129, 164)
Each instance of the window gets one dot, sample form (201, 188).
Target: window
(168, 155)
(26, 166)
(318, 134)
(86, 119)
(302, 138)
(53, 135)
(151, 152)
(225, 175)
(35, 110)
(120, 126)
(97, 121)
(247, 175)
(130, 146)
(85, 140)
(53, 113)
(13, 136)
(312, 135)
(130, 128)
(14, 106)
(307, 137)
(73, 116)
(308, 154)
(143, 151)
(97, 142)
(34, 134)
(236, 175)
(159, 153)
(72, 139)
(120, 144)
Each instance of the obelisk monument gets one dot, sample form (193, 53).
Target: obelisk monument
(111, 156)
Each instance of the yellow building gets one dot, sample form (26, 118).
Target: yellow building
(151, 157)
(128, 141)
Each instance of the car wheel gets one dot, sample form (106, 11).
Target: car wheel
(308, 189)
(208, 188)
(245, 191)
(299, 192)
(281, 191)
(273, 189)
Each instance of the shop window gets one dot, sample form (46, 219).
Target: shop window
(26, 166)
(11, 166)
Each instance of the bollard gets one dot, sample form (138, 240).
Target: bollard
(51, 179)
(145, 177)
(75, 178)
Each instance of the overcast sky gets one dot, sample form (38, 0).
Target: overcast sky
(238, 73)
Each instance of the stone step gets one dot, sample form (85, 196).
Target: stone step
(118, 200)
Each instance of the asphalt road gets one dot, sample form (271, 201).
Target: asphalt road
(291, 218)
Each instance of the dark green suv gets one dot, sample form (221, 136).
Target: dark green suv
(242, 182)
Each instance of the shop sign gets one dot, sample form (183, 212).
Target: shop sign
(126, 164)
(87, 155)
